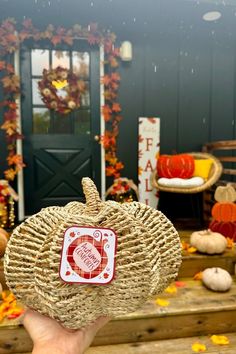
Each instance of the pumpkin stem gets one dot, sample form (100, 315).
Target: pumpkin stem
(93, 201)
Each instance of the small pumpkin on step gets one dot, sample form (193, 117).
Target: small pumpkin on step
(217, 279)
(224, 211)
(207, 241)
(225, 193)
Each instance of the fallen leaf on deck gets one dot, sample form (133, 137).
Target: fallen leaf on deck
(185, 245)
(191, 250)
(221, 340)
(198, 276)
(198, 347)
(230, 242)
(171, 289)
(162, 302)
(180, 284)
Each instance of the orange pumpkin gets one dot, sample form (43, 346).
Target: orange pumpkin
(224, 211)
(3, 244)
(4, 232)
(171, 166)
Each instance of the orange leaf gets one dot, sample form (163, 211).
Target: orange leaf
(140, 171)
(198, 276)
(106, 80)
(230, 242)
(119, 166)
(10, 174)
(106, 111)
(185, 245)
(116, 107)
(115, 77)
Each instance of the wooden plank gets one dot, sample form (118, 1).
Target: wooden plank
(194, 263)
(14, 339)
(175, 346)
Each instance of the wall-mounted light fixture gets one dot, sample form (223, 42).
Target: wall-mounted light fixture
(126, 52)
(212, 16)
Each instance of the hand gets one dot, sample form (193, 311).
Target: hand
(49, 337)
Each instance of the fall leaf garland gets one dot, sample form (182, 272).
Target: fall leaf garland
(11, 36)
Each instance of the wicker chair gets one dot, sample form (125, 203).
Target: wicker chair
(214, 175)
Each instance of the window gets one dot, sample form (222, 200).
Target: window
(51, 122)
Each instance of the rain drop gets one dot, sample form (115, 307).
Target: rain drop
(192, 71)
(134, 19)
(213, 32)
(91, 4)
(232, 122)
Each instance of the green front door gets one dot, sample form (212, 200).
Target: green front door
(59, 149)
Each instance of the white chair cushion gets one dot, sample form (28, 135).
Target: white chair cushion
(181, 182)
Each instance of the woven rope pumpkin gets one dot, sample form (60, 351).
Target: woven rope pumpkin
(148, 259)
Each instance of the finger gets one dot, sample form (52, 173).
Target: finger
(97, 325)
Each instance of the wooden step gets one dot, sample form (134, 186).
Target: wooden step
(192, 311)
(168, 346)
(196, 262)
(172, 346)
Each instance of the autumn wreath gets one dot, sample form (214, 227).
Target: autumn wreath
(61, 89)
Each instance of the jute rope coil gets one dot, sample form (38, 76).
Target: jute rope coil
(147, 260)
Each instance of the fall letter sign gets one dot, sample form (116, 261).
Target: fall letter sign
(88, 255)
(148, 150)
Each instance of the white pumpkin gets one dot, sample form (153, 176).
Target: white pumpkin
(216, 279)
(225, 193)
(207, 241)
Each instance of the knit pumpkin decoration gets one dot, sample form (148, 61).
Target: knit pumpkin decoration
(224, 211)
(225, 193)
(148, 257)
(227, 228)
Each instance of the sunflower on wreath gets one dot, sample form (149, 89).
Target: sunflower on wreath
(61, 89)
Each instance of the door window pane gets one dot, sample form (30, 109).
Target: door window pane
(60, 58)
(35, 93)
(41, 120)
(85, 97)
(62, 124)
(80, 63)
(82, 122)
(39, 61)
